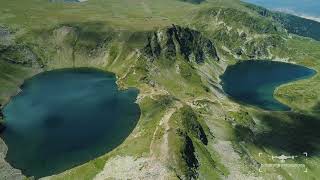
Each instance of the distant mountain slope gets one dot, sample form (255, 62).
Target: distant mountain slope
(294, 24)
(241, 34)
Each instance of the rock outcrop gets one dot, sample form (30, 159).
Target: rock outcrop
(5, 37)
(7, 172)
(15, 52)
(190, 158)
(20, 54)
(179, 41)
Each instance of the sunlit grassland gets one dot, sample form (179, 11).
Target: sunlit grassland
(136, 14)
(129, 14)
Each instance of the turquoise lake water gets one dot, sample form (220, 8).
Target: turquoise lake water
(253, 82)
(67, 117)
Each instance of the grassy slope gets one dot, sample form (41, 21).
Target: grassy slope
(34, 16)
(10, 79)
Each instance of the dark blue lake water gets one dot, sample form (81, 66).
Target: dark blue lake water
(253, 82)
(67, 117)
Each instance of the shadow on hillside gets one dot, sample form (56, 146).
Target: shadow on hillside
(300, 134)
(316, 109)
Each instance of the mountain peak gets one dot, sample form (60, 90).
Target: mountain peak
(175, 41)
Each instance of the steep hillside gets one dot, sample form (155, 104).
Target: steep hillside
(294, 24)
(177, 41)
(241, 34)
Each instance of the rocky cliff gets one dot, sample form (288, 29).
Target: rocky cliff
(176, 41)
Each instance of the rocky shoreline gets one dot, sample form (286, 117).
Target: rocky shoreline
(6, 170)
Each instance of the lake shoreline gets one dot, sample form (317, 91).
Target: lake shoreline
(266, 100)
(19, 91)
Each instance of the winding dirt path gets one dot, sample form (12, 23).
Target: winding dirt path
(164, 122)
